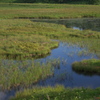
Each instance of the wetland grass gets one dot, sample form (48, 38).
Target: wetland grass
(21, 37)
(22, 74)
(87, 67)
(18, 39)
(58, 93)
(47, 11)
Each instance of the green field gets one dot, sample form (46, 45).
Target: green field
(49, 11)
(21, 38)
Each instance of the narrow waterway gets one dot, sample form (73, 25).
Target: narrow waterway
(76, 23)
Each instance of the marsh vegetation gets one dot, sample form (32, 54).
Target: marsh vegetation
(47, 11)
(42, 52)
(91, 66)
(58, 93)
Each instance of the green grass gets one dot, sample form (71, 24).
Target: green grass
(26, 46)
(51, 11)
(21, 37)
(23, 73)
(58, 93)
(87, 67)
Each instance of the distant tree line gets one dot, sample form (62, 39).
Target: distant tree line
(53, 1)
(59, 1)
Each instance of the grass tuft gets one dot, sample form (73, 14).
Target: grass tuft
(87, 67)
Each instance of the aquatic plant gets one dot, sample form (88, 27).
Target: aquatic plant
(57, 93)
(22, 73)
(87, 67)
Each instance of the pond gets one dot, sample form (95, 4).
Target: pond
(64, 75)
(66, 54)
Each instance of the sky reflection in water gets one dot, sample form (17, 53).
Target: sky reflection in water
(64, 74)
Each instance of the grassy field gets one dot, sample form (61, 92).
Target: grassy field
(22, 28)
(19, 36)
(22, 37)
(50, 11)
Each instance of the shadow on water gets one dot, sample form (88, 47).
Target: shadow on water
(79, 23)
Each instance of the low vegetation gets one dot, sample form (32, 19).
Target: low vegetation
(47, 11)
(21, 37)
(23, 73)
(58, 93)
(31, 46)
(87, 67)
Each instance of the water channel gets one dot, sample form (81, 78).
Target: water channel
(64, 74)
(77, 23)
(67, 54)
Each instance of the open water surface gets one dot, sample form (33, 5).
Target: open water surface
(63, 74)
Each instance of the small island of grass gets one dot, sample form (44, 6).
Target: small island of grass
(87, 67)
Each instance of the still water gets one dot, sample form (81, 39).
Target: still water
(78, 23)
(63, 74)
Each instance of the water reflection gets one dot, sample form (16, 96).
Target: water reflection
(79, 23)
(64, 74)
